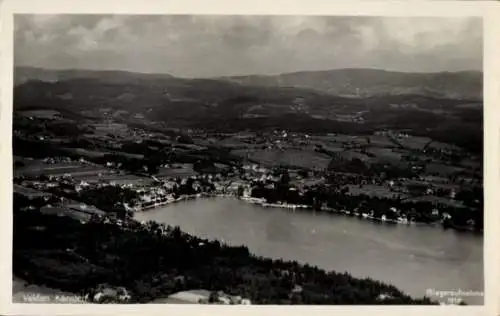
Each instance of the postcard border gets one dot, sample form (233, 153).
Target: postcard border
(489, 10)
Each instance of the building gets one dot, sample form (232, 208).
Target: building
(185, 297)
(118, 294)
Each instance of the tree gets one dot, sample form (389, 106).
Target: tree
(285, 178)
(241, 190)
(213, 298)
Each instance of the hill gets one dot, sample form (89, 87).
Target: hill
(173, 99)
(25, 74)
(374, 82)
(340, 82)
(227, 105)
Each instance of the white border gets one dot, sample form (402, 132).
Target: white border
(489, 10)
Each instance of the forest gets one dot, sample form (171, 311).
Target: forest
(153, 261)
(419, 211)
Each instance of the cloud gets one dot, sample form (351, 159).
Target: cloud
(204, 46)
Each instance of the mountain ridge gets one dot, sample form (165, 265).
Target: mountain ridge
(364, 82)
(23, 74)
(222, 105)
(346, 82)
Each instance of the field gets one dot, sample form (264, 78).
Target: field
(291, 157)
(381, 141)
(385, 154)
(186, 170)
(435, 179)
(413, 142)
(43, 114)
(334, 149)
(29, 192)
(232, 143)
(443, 146)
(64, 211)
(350, 154)
(340, 138)
(374, 190)
(437, 200)
(106, 176)
(442, 169)
(307, 182)
(38, 168)
(86, 152)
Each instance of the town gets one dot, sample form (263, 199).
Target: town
(103, 172)
(115, 170)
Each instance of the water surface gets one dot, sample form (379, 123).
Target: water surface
(413, 258)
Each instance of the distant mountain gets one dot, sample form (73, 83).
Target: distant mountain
(24, 74)
(374, 82)
(163, 95)
(341, 82)
(438, 105)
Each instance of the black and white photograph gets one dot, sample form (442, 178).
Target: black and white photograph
(245, 159)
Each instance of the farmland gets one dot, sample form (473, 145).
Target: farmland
(375, 191)
(60, 169)
(288, 157)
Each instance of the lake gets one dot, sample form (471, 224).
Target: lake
(415, 259)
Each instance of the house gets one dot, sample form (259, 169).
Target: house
(437, 201)
(169, 185)
(224, 300)
(384, 296)
(118, 294)
(186, 297)
(453, 194)
(446, 216)
(234, 186)
(297, 289)
(218, 187)
(247, 191)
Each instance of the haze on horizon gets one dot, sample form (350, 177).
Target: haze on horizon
(212, 46)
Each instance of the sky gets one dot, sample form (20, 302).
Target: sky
(212, 46)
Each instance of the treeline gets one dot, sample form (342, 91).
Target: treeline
(108, 198)
(63, 127)
(465, 134)
(150, 160)
(290, 122)
(39, 149)
(357, 166)
(469, 217)
(147, 165)
(153, 261)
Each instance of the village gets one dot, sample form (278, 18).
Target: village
(106, 171)
(66, 182)
(118, 169)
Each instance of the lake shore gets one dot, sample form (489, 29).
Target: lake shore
(363, 248)
(199, 263)
(265, 204)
